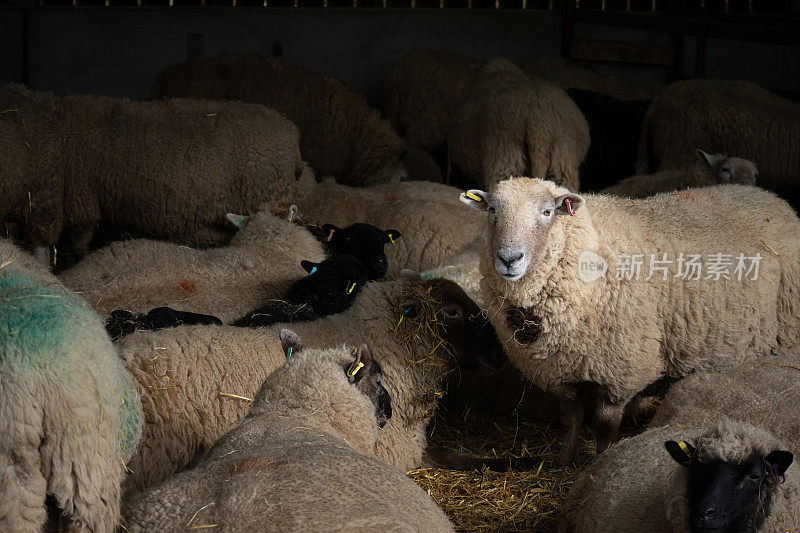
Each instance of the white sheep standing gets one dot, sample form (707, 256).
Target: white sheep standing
(511, 125)
(571, 329)
(261, 262)
(69, 414)
(714, 169)
(301, 460)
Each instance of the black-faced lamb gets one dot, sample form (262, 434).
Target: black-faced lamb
(195, 381)
(512, 125)
(330, 287)
(712, 169)
(301, 460)
(70, 416)
(261, 262)
(432, 221)
(577, 308)
(68, 163)
(729, 476)
(726, 116)
(339, 134)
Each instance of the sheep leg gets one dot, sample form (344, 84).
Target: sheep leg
(80, 242)
(571, 410)
(607, 418)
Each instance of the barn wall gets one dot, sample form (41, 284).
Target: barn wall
(116, 52)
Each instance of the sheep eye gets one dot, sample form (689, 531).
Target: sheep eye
(491, 209)
(547, 212)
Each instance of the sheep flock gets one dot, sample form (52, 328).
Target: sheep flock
(254, 303)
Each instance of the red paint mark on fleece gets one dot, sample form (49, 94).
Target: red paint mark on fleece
(187, 285)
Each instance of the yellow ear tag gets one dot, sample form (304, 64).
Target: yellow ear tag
(391, 239)
(350, 288)
(354, 368)
(473, 196)
(684, 449)
(292, 212)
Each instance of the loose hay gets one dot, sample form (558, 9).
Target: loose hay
(501, 501)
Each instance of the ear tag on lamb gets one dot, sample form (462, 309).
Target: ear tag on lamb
(354, 368)
(473, 196)
(238, 221)
(391, 238)
(572, 212)
(292, 212)
(314, 269)
(330, 235)
(289, 353)
(685, 449)
(350, 288)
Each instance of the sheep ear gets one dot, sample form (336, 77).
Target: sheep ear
(239, 221)
(780, 461)
(568, 204)
(681, 451)
(309, 267)
(710, 160)
(291, 343)
(390, 235)
(293, 210)
(409, 275)
(410, 308)
(475, 198)
(361, 366)
(329, 230)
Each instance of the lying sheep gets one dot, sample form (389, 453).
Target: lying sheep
(339, 134)
(262, 261)
(69, 414)
(424, 91)
(463, 267)
(195, 382)
(305, 449)
(330, 287)
(564, 294)
(734, 117)
(437, 228)
(714, 169)
(732, 477)
(68, 164)
(511, 125)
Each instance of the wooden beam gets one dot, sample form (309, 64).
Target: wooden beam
(621, 52)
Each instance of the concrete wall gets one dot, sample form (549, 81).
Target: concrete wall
(116, 52)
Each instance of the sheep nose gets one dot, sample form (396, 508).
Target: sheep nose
(509, 257)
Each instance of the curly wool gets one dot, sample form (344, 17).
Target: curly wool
(67, 165)
(69, 413)
(261, 262)
(340, 134)
(728, 116)
(305, 449)
(513, 125)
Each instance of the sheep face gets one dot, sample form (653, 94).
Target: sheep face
(726, 496)
(730, 169)
(521, 214)
(364, 241)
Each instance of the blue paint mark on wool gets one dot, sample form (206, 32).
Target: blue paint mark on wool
(35, 320)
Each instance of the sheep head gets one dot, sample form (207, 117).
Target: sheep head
(522, 212)
(730, 169)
